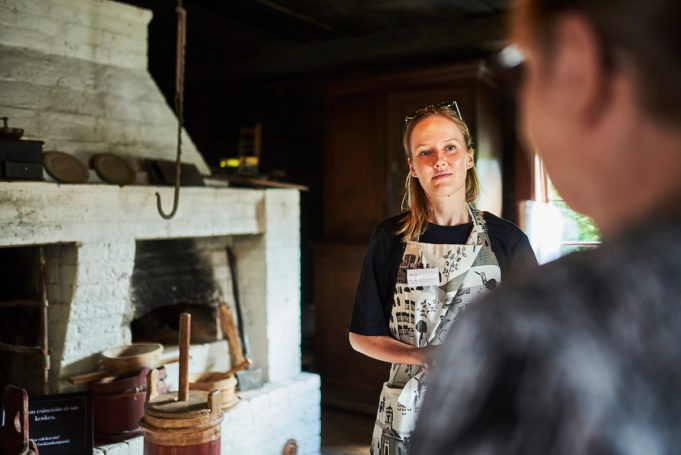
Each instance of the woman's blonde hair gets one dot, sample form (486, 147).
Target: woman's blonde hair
(415, 221)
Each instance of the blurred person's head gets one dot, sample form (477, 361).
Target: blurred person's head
(601, 101)
(440, 154)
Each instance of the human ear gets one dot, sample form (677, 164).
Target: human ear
(470, 159)
(412, 171)
(579, 69)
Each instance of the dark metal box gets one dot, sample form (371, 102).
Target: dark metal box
(21, 151)
(21, 160)
(22, 171)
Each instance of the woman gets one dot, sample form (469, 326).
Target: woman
(424, 266)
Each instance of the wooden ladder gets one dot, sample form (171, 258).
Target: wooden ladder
(43, 350)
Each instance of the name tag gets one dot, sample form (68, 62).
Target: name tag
(423, 277)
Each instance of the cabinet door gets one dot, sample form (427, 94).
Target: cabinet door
(354, 167)
(349, 379)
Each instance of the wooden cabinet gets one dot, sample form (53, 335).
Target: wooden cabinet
(364, 175)
(349, 379)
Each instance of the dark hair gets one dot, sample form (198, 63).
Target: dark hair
(647, 32)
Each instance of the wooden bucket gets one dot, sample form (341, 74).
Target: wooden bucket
(118, 405)
(190, 427)
(216, 381)
(131, 358)
(182, 423)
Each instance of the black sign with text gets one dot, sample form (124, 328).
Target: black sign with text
(61, 424)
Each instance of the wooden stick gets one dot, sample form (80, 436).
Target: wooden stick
(185, 326)
(43, 325)
(100, 374)
(88, 377)
(231, 332)
(242, 366)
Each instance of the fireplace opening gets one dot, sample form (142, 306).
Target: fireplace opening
(173, 276)
(162, 325)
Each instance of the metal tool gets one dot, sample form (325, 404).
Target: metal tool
(249, 378)
(179, 106)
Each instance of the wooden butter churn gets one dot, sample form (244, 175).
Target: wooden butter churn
(182, 423)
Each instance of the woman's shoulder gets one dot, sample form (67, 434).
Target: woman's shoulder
(502, 227)
(385, 236)
(509, 241)
(388, 228)
(385, 241)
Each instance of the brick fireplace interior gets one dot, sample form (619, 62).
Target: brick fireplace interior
(175, 276)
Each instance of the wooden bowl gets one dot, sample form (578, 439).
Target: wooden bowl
(216, 381)
(131, 357)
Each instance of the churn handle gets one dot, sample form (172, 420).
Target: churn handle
(185, 326)
(152, 384)
(215, 402)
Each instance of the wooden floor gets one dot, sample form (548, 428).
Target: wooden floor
(345, 433)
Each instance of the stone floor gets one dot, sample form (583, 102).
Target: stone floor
(345, 432)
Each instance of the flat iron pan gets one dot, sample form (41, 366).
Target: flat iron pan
(113, 169)
(65, 168)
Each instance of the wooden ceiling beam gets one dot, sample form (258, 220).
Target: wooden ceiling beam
(289, 12)
(463, 37)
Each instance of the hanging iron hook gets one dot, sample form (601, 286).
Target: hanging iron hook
(179, 104)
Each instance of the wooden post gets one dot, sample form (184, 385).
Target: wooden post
(185, 325)
(43, 325)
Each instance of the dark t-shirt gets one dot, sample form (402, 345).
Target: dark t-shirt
(373, 299)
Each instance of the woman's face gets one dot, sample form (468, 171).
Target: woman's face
(440, 158)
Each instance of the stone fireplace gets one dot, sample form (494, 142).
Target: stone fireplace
(73, 74)
(90, 233)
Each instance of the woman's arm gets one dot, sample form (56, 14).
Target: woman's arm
(388, 349)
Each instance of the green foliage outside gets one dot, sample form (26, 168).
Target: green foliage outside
(580, 228)
(577, 228)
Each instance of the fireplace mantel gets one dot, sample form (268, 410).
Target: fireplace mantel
(46, 212)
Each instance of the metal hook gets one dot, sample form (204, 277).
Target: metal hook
(179, 102)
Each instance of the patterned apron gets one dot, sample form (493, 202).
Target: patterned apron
(422, 315)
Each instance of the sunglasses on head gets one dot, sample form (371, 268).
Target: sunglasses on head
(447, 105)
